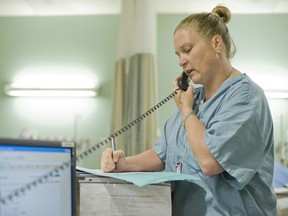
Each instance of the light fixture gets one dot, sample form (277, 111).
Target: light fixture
(276, 93)
(25, 91)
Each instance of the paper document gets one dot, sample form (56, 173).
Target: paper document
(124, 199)
(142, 178)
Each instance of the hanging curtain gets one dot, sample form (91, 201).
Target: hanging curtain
(118, 99)
(136, 48)
(140, 97)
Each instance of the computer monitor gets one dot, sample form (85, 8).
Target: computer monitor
(37, 178)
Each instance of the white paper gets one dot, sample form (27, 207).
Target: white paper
(124, 199)
(143, 178)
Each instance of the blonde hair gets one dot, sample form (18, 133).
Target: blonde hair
(211, 24)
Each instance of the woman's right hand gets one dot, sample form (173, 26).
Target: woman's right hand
(113, 161)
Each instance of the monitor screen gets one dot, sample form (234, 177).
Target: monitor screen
(37, 178)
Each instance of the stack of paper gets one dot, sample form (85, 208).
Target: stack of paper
(142, 178)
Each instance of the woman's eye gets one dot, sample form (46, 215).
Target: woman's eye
(187, 50)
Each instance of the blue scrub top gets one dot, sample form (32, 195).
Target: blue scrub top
(240, 136)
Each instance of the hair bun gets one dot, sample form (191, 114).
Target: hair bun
(223, 12)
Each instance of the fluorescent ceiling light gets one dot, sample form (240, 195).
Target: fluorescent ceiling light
(276, 93)
(12, 90)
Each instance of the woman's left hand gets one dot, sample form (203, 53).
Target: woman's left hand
(183, 99)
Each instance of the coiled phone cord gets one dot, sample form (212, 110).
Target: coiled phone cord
(127, 127)
(42, 179)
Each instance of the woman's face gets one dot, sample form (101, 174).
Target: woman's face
(196, 55)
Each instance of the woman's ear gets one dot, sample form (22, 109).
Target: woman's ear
(217, 43)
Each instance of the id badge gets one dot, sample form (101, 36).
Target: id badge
(179, 167)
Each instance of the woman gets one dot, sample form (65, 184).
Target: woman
(222, 131)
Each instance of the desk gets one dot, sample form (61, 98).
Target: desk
(108, 196)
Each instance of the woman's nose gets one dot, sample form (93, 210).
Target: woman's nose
(182, 61)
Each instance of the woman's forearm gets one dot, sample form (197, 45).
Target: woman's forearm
(146, 161)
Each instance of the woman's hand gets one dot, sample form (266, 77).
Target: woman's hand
(183, 99)
(113, 161)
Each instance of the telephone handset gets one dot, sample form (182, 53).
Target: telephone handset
(183, 82)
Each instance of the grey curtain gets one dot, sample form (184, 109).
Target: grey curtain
(118, 99)
(141, 96)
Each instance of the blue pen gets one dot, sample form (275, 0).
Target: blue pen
(113, 148)
(113, 144)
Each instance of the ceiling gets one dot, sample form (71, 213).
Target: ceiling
(85, 7)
